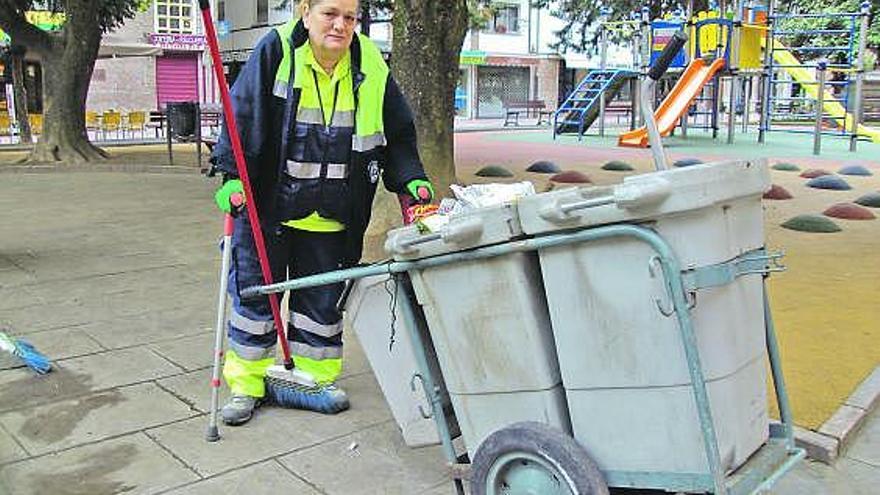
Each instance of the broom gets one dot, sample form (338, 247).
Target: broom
(26, 352)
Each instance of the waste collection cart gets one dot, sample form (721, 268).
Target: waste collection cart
(660, 324)
(489, 323)
(623, 366)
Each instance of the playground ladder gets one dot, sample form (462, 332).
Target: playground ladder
(583, 102)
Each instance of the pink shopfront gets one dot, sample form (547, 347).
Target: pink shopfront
(181, 71)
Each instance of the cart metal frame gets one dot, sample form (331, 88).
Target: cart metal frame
(763, 468)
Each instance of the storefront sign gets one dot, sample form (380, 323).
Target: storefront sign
(184, 42)
(235, 56)
(472, 57)
(512, 61)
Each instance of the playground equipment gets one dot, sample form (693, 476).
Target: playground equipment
(742, 58)
(587, 102)
(677, 102)
(838, 100)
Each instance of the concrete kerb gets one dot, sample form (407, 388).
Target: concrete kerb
(100, 167)
(828, 442)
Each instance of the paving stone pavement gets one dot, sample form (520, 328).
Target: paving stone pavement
(114, 275)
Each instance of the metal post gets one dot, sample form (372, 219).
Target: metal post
(822, 68)
(747, 102)
(860, 76)
(602, 64)
(646, 57)
(733, 40)
(687, 51)
(768, 74)
(785, 414)
(660, 162)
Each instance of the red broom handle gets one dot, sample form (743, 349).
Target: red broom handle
(241, 166)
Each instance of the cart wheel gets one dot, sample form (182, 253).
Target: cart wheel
(534, 459)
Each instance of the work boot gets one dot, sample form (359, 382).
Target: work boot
(326, 399)
(239, 410)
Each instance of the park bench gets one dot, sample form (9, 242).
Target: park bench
(513, 108)
(618, 109)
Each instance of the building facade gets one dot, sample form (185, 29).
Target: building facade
(129, 75)
(508, 60)
(159, 56)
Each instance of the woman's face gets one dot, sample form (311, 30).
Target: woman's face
(331, 25)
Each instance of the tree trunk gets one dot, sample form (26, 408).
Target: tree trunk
(20, 95)
(68, 67)
(428, 35)
(366, 19)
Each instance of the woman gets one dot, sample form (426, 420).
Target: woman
(321, 119)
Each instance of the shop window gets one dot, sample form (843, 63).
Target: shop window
(505, 19)
(174, 16)
(262, 12)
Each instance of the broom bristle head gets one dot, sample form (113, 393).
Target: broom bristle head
(22, 349)
(322, 398)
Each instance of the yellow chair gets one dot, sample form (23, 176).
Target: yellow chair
(93, 123)
(111, 121)
(137, 121)
(5, 125)
(36, 121)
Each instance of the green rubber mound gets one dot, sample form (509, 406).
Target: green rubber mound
(811, 223)
(687, 162)
(494, 171)
(829, 182)
(786, 167)
(571, 177)
(543, 167)
(812, 173)
(777, 192)
(618, 166)
(871, 200)
(855, 170)
(849, 211)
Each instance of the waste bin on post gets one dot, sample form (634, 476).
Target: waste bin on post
(489, 324)
(185, 125)
(620, 351)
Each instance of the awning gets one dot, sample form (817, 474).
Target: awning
(119, 50)
(114, 46)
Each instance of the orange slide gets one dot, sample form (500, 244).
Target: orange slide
(676, 103)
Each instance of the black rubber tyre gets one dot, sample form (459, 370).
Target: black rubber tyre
(533, 458)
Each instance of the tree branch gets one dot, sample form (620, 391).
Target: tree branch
(21, 31)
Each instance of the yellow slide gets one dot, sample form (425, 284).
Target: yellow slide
(832, 107)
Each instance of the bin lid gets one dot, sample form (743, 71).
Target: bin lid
(644, 197)
(480, 227)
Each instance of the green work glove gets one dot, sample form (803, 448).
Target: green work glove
(421, 190)
(230, 195)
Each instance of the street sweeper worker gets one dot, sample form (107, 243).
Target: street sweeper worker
(321, 120)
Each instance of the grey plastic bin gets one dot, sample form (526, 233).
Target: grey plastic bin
(489, 323)
(620, 350)
(368, 312)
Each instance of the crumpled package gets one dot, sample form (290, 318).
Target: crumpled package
(470, 198)
(482, 195)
